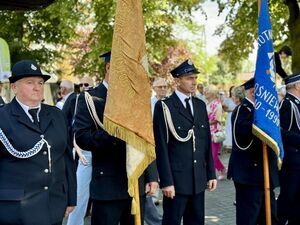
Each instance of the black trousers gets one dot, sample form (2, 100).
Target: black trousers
(289, 197)
(190, 207)
(115, 212)
(250, 205)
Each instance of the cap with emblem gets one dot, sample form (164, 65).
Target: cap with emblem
(106, 56)
(249, 84)
(292, 79)
(184, 69)
(26, 68)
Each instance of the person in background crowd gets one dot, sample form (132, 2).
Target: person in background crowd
(84, 169)
(282, 54)
(70, 99)
(109, 184)
(86, 83)
(200, 92)
(246, 165)
(183, 150)
(66, 89)
(289, 197)
(238, 94)
(228, 106)
(152, 216)
(160, 87)
(214, 110)
(37, 172)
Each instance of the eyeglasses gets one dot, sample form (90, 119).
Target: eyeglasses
(84, 84)
(161, 87)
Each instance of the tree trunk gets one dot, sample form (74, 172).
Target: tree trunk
(294, 28)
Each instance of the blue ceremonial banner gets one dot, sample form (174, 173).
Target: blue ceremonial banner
(266, 125)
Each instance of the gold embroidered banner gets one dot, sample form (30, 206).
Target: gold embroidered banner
(127, 112)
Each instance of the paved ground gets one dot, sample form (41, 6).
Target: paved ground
(219, 204)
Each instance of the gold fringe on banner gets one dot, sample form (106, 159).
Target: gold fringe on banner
(269, 141)
(130, 137)
(139, 144)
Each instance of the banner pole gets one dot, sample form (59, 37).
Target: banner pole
(266, 172)
(137, 216)
(267, 185)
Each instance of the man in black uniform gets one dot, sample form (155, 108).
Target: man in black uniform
(246, 165)
(108, 188)
(183, 150)
(37, 172)
(289, 198)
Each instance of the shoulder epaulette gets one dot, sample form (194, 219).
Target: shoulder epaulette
(247, 106)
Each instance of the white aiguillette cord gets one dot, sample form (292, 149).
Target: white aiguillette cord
(170, 124)
(29, 153)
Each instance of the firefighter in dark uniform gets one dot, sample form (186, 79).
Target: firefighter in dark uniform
(289, 198)
(108, 187)
(183, 150)
(37, 172)
(246, 165)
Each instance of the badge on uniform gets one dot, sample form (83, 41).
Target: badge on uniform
(33, 67)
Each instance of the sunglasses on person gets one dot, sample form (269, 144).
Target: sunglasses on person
(84, 85)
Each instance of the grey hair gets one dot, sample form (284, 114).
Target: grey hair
(239, 92)
(67, 84)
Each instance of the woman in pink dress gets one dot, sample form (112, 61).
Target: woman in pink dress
(214, 110)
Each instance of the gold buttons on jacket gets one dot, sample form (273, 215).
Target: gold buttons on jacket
(46, 188)
(46, 171)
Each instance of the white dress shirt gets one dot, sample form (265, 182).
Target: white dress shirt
(26, 108)
(182, 98)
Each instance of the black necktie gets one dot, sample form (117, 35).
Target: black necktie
(33, 113)
(188, 107)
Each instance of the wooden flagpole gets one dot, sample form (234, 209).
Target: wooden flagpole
(266, 172)
(267, 185)
(137, 216)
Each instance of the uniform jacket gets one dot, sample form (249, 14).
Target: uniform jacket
(177, 162)
(246, 166)
(29, 193)
(290, 132)
(109, 179)
(68, 110)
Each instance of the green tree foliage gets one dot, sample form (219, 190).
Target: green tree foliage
(77, 31)
(39, 35)
(159, 18)
(242, 24)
